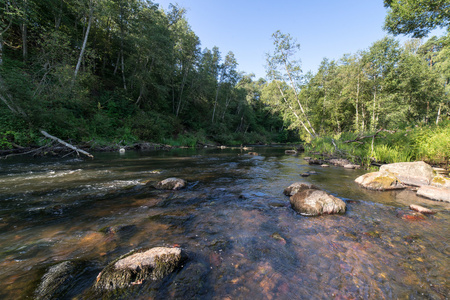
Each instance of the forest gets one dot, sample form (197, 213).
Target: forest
(121, 72)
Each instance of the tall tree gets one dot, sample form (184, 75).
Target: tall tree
(416, 17)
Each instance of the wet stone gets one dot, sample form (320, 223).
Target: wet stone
(137, 266)
(313, 202)
(411, 216)
(171, 184)
(298, 187)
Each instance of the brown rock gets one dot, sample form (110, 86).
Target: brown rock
(290, 152)
(352, 166)
(298, 187)
(434, 193)
(313, 202)
(339, 162)
(324, 166)
(411, 216)
(411, 173)
(253, 153)
(379, 181)
(171, 184)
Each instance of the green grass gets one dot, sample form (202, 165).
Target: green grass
(427, 143)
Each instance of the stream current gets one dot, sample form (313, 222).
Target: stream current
(242, 239)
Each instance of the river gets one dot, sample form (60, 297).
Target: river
(242, 239)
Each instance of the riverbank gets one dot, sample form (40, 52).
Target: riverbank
(428, 143)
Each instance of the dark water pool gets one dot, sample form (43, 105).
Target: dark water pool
(242, 238)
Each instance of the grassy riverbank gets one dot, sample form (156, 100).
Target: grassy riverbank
(427, 143)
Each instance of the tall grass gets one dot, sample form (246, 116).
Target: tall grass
(427, 143)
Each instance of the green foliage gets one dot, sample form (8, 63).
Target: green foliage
(416, 17)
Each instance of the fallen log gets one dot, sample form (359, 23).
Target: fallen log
(67, 144)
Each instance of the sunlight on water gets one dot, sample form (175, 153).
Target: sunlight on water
(241, 236)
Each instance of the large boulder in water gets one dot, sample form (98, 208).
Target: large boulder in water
(379, 181)
(136, 266)
(314, 202)
(298, 187)
(54, 283)
(171, 184)
(411, 173)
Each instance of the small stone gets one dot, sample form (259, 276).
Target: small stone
(411, 216)
(253, 153)
(421, 209)
(290, 152)
(171, 184)
(304, 174)
(324, 166)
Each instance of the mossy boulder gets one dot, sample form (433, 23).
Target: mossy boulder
(171, 184)
(411, 173)
(298, 187)
(314, 202)
(137, 266)
(379, 181)
(441, 182)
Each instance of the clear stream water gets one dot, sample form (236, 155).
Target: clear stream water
(241, 236)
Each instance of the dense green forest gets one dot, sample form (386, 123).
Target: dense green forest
(117, 71)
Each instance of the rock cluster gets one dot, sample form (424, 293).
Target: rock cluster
(171, 184)
(401, 175)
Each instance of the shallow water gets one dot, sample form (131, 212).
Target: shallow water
(242, 238)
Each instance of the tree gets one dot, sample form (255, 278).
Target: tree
(282, 66)
(416, 17)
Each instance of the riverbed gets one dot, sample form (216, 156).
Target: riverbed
(241, 237)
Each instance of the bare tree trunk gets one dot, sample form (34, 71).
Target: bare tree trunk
(357, 106)
(293, 111)
(374, 125)
(23, 28)
(83, 48)
(215, 101)
(66, 144)
(438, 114)
(298, 100)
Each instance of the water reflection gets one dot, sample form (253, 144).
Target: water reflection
(242, 238)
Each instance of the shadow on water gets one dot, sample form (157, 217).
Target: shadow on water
(237, 228)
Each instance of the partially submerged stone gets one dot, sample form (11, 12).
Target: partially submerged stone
(55, 280)
(421, 209)
(324, 166)
(379, 181)
(314, 202)
(137, 266)
(171, 184)
(411, 173)
(290, 152)
(351, 166)
(339, 162)
(434, 193)
(298, 187)
(411, 216)
(253, 153)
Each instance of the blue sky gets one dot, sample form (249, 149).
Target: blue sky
(324, 28)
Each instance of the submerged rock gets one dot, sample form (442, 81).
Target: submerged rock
(298, 187)
(411, 173)
(290, 152)
(137, 266)
(352, 166)
(434, 193)
(253, 153)
(314, 202)
(171, 184)
(379, 181)
(411, 216)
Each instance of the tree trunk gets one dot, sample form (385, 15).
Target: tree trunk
(374, 107)
(357, 106)
(83, 48)
(66, 144)
(438, 114)
(24, 41)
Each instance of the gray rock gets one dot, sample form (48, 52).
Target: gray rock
(324, 166)
(137, 266)
(339, 162)
(313, 202)
(379, 181)
(171, 184)
(410, 173)
(298, 187)
(441, 182)
(434, 193)
(290, 152)
(351, 166)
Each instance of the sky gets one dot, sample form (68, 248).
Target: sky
(324, 28)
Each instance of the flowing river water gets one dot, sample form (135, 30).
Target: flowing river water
(242, 239)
